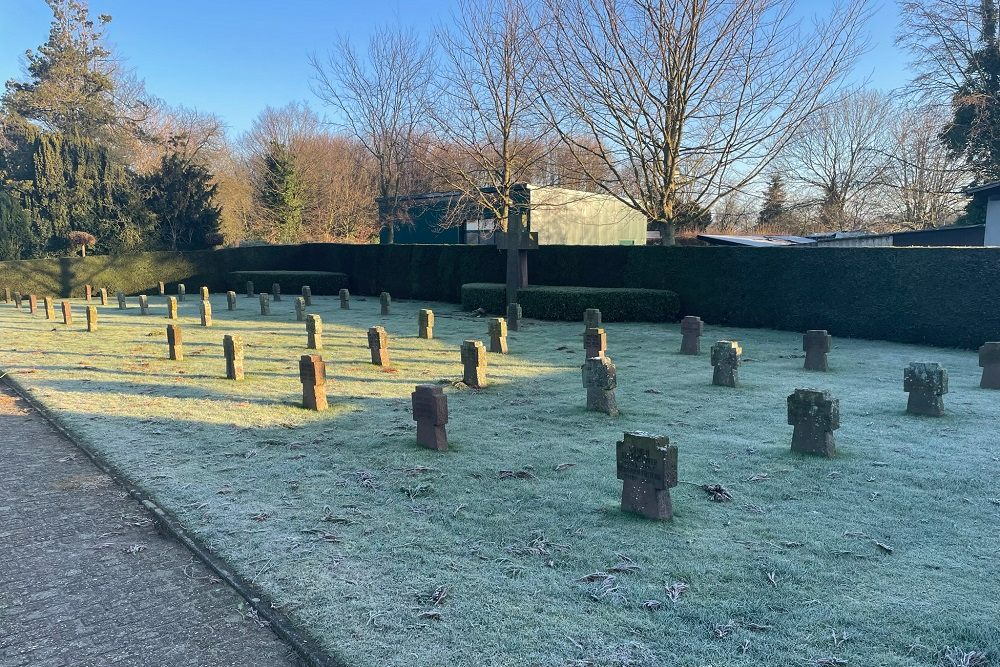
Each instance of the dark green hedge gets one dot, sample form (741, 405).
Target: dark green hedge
(937, 296)
(292, 282)
(617, 304)
(135, 274)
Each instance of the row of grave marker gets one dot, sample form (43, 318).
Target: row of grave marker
(600, 377)
(646, 463)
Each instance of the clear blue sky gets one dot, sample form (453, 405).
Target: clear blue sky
(234, 57)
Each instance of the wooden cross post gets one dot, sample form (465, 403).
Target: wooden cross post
(521, 241)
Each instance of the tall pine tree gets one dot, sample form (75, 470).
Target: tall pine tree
(281, 194)
(775, 202)
(180, 195)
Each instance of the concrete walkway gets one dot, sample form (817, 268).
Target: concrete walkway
(85, 578)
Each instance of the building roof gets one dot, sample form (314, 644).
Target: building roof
(756, 240)
(992, 185)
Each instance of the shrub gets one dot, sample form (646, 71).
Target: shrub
(321, 282)
(617, 304)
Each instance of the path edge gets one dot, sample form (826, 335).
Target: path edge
(301, 641)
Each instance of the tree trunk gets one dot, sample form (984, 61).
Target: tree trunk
(83, 250)
(390, 234)
(666, 229)
(513, 260)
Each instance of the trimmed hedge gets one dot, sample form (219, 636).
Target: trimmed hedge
(321, 282)
(935, 296)
(617, 304)
(137, 274)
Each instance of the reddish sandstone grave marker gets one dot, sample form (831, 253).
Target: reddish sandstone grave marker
(595, 343)
(815, 415)
(474, 364)
(378, 344)
(232, 348)
(498, 335)
(425, 322)
(691, 330)
(816, 343)
(312, 375)
(926, 383)
(314, 332)
(989, 361)
(726, 357)
(600, 378)
(430, 411)
(175, 342)
(647, 466)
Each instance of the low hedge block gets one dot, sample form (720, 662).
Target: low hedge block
(292, 282)
(617, 304)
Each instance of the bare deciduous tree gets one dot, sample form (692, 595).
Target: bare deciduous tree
(926, 179)
(380, 100)
(489, 131)
(691, 98)
(841, 155)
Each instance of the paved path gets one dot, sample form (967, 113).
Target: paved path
(85, 578)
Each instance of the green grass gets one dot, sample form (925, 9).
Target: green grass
(352, 527)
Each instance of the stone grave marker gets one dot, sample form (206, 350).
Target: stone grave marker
(430, 411)
(88, 292)
(426, 324)
(175, 342)
(726, 357)
(691, 330)
(345, 299)
(103, 294)
(312, 375)
(17, 300)
(378, 344)
(514, 316)
(276, 291)
(67, 313)
(647, 466)
(498, 335)
(591, 319)
(600, 378)
(474, 364)
(385, 301)
(314, 332)
(162, 288)
(307, 295)
(815, 416)
(265, 303)
(300, 309)
(595, 343)
(231, 300)
(50, 311)
(816, 343)
(171, 308)
(205, 294)
(181, 292)
(33, 304)
(989, 361)
(91, 318)
(122, 303)
(6, 295)
(926, 383)
(250, 288)
(232, 347)
(206, 313)
(143, 304)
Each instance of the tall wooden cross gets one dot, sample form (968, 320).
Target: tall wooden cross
(521, 241)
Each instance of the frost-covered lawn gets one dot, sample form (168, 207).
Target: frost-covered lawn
(353, 528)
